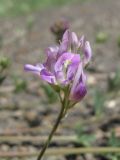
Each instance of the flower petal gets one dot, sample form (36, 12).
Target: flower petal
(51, 58)
(61, 60)
(87, 52)
(74, 41)
(52, 51)
(63, 47)
(77, 78)
(78, 89)
(60, 77)
(71, 71)
(67, 35)
(34, 68)
(73, 67)
(47, 76)
(79, 92)
(66, 41)
(81, 41)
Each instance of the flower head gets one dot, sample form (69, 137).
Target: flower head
(64, 65)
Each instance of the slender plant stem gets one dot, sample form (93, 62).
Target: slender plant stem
(52, 133)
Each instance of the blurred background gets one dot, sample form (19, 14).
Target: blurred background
(28, 108)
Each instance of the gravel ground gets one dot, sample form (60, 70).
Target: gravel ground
(26, 113)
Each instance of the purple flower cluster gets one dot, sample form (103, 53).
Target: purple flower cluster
(64, 65)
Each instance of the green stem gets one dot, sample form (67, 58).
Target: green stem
(65, 110)
(52, 133)
(66, 102)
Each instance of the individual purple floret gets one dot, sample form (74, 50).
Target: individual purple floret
(78, 90)
(65, 64)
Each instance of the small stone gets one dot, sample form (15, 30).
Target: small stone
(54, 158)
(111, 104)
(91, 80)
(117, 131)
(89, 156)
(32, 118)
(79, 158)
(5, 147)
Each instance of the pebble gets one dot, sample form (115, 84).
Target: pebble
(111, 104)
(32, 118)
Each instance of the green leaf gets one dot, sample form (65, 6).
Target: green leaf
(50, 93)
(4, 62)
(2, 78)
(86, 139)
(101, 37)
(113, 140)
(20, 84)
(114, 81)
(99, 99)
